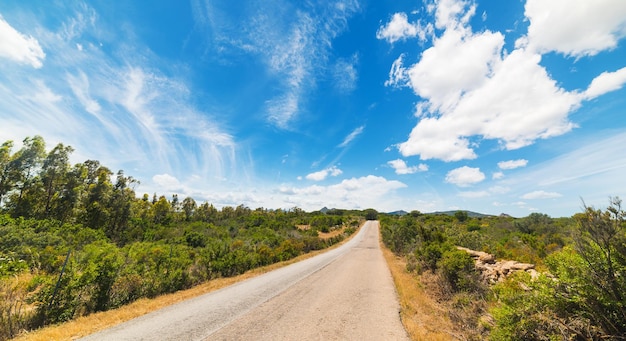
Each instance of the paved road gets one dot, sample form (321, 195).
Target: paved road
(344, 294)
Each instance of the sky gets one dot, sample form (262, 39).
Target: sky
(490, 106)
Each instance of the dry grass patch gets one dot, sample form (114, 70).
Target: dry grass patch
(422, 317)
(90, 324)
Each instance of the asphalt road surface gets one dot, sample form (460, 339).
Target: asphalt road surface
(344, 294)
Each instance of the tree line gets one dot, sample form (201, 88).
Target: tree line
(76, 239)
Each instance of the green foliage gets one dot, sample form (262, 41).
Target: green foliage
(123, 247)
(585, 297)
(371, 214)
(461, 216)
(457, 268)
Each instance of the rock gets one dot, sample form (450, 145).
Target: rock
(493, 271)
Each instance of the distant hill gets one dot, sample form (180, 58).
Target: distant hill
(469, 213)
(400, 213)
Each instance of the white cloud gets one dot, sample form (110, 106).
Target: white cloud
(575, 27)
(452, 13)
(474, 194)
(471, 87)
(324, 173)
(402, 168)
(139, 119)
(167, 181)
(363, 192)
(399, 28)
(397, 75)
(512, 164)
(606, 82)
(497, 175)
(356, 132)
(80, 86)
(19, 47)
(293, 41)
(465, 176)
(540, 195)
(345, 74)
(593, 168)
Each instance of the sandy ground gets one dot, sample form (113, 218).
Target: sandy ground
(344, 294)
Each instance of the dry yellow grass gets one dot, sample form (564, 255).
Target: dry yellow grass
(90, 324)
(422, 317)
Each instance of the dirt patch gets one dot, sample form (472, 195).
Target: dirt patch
(328, 235)
(422, 317)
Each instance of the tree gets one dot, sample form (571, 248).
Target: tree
(99, 193)
(461, 216)
(5, 169)
(161, 211)
(25, 165)
(189, 207)
(371, 214)
(53, 175)
(601, 242)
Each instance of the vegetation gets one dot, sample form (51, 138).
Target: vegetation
(75, 240)
(579, 294)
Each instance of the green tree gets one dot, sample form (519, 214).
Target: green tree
(189, 207)
(54, 175)
(25, 165)
(6, 180)
(99, 193)
(461, 216)
(371, 214)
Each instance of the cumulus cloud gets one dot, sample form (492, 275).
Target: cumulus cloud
(575, 27)
(472, 89)
(540, 195)
(497, 175)
(402, 168)
(606, 82)
(363, 192)
(324, 173)
(399, 28)
(465, 176)
(19, 47)
(512, 164)
(166, 181)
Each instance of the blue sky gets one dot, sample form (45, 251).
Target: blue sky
(491, 106)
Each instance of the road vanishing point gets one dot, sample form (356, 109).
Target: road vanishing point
(346, 293)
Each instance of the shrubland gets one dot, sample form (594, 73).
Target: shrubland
(76, 239)
(579, 294)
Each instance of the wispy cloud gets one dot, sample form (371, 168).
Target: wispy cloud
(294, 47)
(356, 132)
(345, 74)
(115, 106)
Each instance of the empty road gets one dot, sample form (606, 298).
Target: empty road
(344, 294)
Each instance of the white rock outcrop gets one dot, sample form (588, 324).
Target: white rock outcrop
(493, 271)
